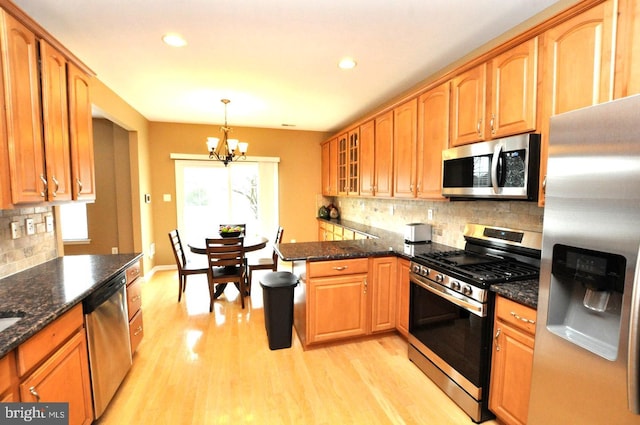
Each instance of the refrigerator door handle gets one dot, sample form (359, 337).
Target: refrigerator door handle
(633, 369)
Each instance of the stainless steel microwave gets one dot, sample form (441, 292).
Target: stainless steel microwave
(506, 168)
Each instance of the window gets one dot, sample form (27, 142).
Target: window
(73, 221)
(209, 194)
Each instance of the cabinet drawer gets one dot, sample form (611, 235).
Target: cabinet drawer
(7, 372)
(136, 331)
(48, 339)
(338, 267)
(134, 297)
(515, 314)
(133, 272)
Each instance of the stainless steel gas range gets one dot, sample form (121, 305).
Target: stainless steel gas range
(451, 308)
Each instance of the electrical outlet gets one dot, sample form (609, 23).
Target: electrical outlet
(14, 230)
(29, 226)
(391, 209)
(429, 215)
(114, 250)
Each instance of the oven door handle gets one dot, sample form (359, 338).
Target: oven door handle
(451, 296)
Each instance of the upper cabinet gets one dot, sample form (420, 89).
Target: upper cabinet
(81, 135)
(55, 123)
(405, 129)
(513, 90)
(348, 162)
(376, 156)
(47, 139)
(330, 167)
(433, 138)
(577, 68)
(507, 84)
(23, 112)
(628, 49)
(469, 99)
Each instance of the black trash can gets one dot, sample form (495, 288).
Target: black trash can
(277, 295)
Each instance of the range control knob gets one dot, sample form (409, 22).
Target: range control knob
(439, 278)
(467, 290)
(415, 268)
(424, 271)
(455, 285)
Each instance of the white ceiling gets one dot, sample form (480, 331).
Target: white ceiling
(275, 59)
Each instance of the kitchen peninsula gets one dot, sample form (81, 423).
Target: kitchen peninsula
(360, 287)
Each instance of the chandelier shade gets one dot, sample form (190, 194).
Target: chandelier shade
(226, 150)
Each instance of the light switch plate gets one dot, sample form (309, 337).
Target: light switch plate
(29, 226)
(14, 230)
(49, 223)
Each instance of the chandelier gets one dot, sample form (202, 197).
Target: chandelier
(226, 151)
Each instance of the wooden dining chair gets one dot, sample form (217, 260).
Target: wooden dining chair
(185, 266)
(226, 264)
(264, 263)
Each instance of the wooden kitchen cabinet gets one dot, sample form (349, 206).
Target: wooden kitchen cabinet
(22, 111)
(627, 79)
(468, 106)
(513, 91)
(55, 119)
(383, 180)
(382, 291)
(508, 85)
(330, 167)
(402, 292)
(53, 366)
(336, 300)
(81, 135)
(405, 129)
(348, 162)
(576, 68)
(367, 158)
(134, 305)
(8, 379)
(512, 361)
(433, 138)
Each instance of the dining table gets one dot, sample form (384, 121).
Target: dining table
(251, 243)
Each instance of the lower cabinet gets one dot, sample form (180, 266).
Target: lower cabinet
(134, 305)
(346, 299)
(53, 366)
(512, 362)
(8, 379)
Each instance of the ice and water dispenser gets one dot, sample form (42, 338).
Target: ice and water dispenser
(585, 298)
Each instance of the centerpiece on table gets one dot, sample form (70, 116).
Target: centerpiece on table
(230, 231)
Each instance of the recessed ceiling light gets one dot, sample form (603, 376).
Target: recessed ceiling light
(347, 63)
(174, 40)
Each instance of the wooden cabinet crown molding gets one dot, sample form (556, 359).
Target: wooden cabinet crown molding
(40, 32)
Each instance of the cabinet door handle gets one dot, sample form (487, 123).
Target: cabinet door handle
(57, 185)
(478, 127)
(341, 268)
(138, 331)
(523, 319)
(79, 185)
(365, 285)
(493, 119)
(45, 184)
(136, 298)
(34, 393)
(498, 332)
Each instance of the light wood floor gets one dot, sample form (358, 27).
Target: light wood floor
(196, 367)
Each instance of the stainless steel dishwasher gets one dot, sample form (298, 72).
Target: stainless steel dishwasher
(107, 324)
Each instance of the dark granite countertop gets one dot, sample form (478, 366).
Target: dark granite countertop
(384, 243)
(524, 292)
(43, 293)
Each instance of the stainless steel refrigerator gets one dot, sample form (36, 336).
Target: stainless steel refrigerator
(585, 362)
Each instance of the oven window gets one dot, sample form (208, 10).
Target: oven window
(458, 337)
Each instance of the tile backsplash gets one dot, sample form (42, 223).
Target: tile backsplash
(27, 250)
(449, 218)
